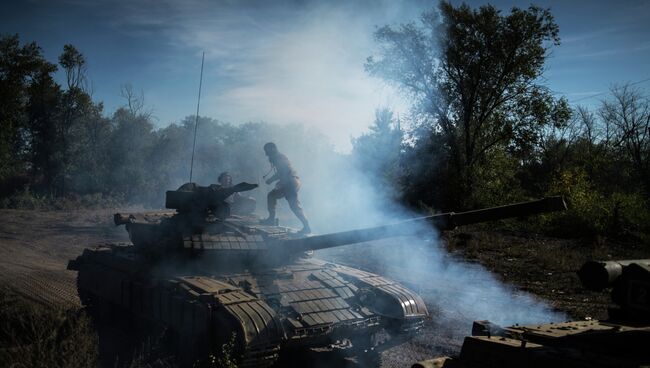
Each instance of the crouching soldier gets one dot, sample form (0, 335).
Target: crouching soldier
(239, 204)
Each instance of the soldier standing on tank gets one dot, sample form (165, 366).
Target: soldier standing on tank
(287, 187)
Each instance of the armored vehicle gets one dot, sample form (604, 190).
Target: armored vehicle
(209, 278)
(622, 340)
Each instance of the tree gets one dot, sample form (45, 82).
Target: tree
(131, 144)
(74, 65)
(20, 68)
(76, 103)
(627, 114)
(378, 152)
(474, 75)
(43, 112)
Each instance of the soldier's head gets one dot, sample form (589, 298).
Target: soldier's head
(270, 149)
(225, 179)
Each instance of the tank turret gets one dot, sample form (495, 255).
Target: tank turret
(198, 225)
(196, 208)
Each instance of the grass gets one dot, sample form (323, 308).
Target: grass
(28, 200)
(34, 335)
(543, 265)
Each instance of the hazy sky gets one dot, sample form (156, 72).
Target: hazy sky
(297, 61)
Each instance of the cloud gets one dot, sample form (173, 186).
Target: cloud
(286, 62)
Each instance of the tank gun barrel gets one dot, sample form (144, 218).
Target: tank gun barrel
(599, 275)
(443, 221)
(203, 197)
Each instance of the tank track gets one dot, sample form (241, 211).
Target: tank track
(261, 330)
(201, 312)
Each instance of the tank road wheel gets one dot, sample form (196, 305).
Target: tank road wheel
(364, 349)
(371, 358)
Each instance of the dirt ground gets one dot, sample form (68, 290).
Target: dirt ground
(545, 266)
(35, 247)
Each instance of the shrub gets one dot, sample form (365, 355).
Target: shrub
(29, 200)
(593, 213)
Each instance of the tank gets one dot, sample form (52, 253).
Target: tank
(620, 341)
(208, 279)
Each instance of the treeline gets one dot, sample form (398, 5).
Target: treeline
(484, 131)
(58, 145)
(598, 160)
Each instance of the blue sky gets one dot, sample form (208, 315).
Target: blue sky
(297, 61)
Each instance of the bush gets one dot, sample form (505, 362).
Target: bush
(29, 200)
(496, 181)
(630, 217)
(593, 213)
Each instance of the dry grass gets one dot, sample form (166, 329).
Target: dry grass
(34, 335)
(27, 200)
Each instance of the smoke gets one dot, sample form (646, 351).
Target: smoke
(338, 193)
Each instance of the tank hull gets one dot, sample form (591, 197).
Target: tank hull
(271, 313)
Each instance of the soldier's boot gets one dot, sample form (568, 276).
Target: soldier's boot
(269, 220)
(305, 229)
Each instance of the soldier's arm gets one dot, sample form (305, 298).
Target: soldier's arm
(273, 178)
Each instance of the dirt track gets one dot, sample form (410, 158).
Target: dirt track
(35, 247)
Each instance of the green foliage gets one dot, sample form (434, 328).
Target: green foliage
(25, 199)
(630, 216)
(588, 213)
(21, 69)
(377, 153)
(29, 200)
(594, 213)
(228, 356)
(44, 130)
(151, 354)
(498, 179)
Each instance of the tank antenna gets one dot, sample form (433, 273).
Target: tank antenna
(196, 120)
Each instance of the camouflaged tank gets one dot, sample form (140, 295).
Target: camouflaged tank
(623, 340)
(204, 275)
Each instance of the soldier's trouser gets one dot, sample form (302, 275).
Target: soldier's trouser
(290, 192)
